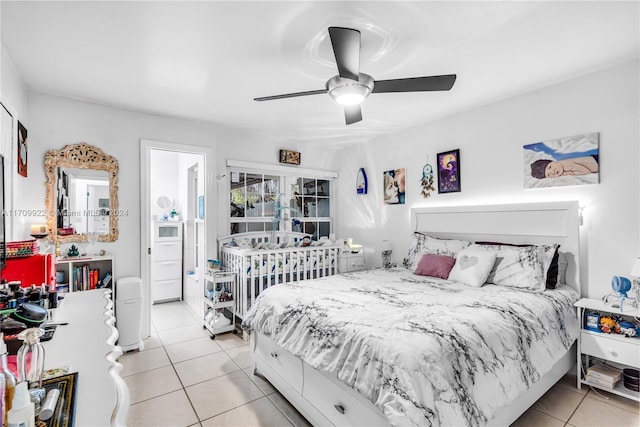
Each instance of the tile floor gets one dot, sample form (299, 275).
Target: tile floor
(183, 378)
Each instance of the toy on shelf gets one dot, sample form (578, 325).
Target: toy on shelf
(609, 325)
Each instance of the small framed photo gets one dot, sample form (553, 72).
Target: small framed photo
(449, 171)
(592, 321)
(290, 157)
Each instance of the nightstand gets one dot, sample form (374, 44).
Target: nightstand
(616, 348)
(351, 259)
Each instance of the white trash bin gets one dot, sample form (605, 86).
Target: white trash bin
(129, 313)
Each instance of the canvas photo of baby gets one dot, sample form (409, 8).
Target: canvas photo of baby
(572, 160)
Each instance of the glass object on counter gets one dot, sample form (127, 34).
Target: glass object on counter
(31, 358)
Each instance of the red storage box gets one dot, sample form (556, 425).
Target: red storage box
(31, 270)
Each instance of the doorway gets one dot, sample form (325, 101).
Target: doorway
(174, 180)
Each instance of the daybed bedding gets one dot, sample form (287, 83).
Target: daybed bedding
(423, 350)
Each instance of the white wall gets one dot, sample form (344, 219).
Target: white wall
(164, 181)
(55, 122)
(490, 139)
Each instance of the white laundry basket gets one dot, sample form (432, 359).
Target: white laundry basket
(129, 313)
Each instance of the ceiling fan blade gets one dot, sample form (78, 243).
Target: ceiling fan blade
(291, 95)
(346, 48)
(352, 113)
(415, 84)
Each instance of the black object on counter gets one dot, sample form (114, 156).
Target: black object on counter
(31, 314)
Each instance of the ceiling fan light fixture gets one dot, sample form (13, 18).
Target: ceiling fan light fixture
(350, 92)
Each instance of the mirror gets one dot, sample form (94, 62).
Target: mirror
(82, 194)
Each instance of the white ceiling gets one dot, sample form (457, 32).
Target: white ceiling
(207, 60)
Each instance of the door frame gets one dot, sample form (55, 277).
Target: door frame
(146, 145)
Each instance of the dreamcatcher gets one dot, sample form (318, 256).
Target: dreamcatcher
(427, 181)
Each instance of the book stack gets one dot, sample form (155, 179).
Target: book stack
(603, 376)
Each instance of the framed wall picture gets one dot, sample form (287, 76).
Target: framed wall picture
(572, 160)
(449, 171)
(290, 157)
(394, 186)
(22, 150)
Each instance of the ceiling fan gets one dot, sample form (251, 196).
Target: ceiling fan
(350, 87)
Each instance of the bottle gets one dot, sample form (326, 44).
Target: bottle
(9, 379)
(31, 358)
(22, 413)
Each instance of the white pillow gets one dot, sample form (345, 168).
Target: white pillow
(423, 244)
(472, 266)
(520, 267)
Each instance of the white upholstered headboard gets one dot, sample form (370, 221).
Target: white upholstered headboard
(534, 223)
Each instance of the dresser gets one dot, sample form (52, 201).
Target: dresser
(166, 261)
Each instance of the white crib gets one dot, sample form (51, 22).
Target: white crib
(265, 259)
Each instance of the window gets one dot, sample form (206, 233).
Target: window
(253, 201)
(273, 201)
(312, 200)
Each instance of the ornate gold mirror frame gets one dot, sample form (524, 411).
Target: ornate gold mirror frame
(80, 156)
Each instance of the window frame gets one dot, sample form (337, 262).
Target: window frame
(288, 177)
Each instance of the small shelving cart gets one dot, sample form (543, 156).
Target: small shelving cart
(219, 301)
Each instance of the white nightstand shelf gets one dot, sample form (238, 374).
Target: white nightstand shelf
(615, 348)
(351, 259)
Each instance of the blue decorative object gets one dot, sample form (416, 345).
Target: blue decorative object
(362, 185)
(622, 285)
(592, 322)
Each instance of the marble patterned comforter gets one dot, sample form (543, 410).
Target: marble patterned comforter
(425, 351)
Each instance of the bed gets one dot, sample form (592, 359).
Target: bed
(387, 347)
(263, 259)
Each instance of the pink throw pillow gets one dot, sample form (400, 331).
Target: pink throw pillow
(435, 266)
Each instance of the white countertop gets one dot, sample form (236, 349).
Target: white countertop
(82, 345)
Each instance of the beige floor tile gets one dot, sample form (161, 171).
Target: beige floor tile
(534, 418)
(569, 382)
(181, 334)
(596, 413)
(194, 348)
(259, 413)
(615, 400)
(230, 340)
(221, 394)
(167, 308)
(262, 383)
(139, 361)
(172, 409)
(172, 322)
(241, 355)
(559, 402)
(203, 368)
(153, 383)
(151, 342)
(289, 411)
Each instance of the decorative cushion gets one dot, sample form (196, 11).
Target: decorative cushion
(563, 263)
(435, 266)
(555, 274)
(472, 266)
(521, 267)
(423, 244)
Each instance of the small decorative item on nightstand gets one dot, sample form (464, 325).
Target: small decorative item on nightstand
(592, 321)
